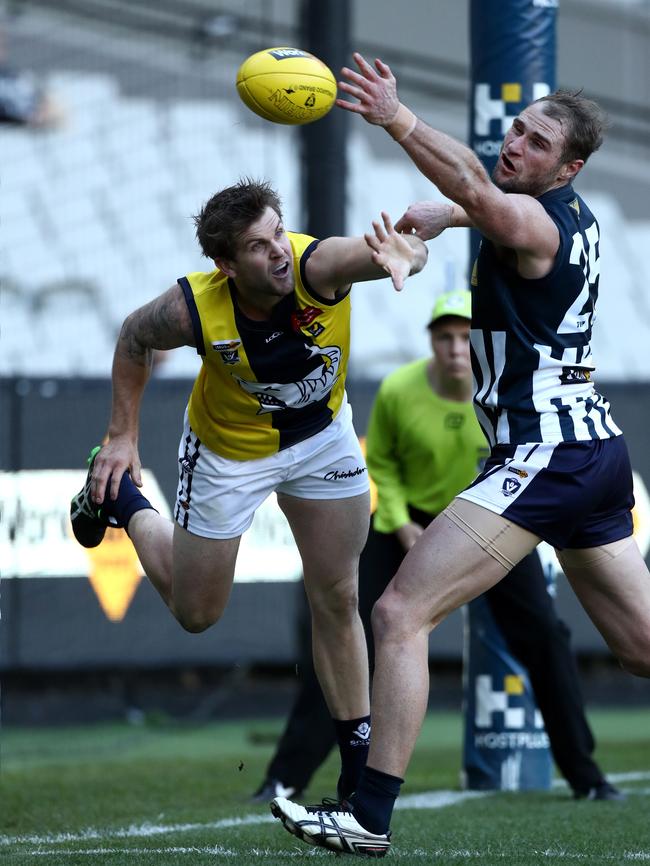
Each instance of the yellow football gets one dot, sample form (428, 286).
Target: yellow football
(286, 85)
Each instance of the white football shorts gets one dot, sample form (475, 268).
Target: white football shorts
(217, 497)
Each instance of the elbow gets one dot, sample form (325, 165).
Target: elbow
(129, 345)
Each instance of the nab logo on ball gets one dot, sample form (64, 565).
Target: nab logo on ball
(283, 53)
(286, 85)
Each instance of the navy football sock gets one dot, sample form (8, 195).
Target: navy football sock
(353, 737)
(129, 500)
(374, 800)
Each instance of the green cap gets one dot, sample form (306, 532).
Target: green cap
(456, 303)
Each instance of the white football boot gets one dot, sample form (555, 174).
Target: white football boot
(330, 825)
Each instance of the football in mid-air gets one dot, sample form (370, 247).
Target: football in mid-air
(286, 85)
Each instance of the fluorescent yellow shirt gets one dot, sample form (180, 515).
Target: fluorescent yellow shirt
(421, 449)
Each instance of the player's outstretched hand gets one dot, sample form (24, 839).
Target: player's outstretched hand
(393, 252)
(115, 458)
(374, 87)
(426, 219)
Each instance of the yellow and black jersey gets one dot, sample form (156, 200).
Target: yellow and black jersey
(264, 386)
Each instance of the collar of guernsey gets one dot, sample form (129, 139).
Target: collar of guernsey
(264, 386)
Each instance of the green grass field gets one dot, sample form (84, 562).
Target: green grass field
(165, 795)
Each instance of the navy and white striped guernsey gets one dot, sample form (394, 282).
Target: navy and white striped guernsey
(530, 339)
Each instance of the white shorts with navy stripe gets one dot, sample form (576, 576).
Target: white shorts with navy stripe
(571, 494)
(217, 497)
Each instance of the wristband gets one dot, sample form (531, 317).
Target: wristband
(402, 124)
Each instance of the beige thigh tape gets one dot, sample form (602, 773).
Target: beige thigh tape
(503, 540)
(590, 556)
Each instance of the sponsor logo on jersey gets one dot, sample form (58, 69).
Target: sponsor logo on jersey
(315, 329)
(510, 486)
(228, 349)
(338, 474)
(575, 376)
(273, 336)
(520, 472)
(303, 318)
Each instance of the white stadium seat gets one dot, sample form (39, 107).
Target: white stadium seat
(109, 198)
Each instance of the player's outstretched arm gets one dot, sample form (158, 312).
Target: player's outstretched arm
(428, 219)
(164, 323)
(337, 262)
(516, 221)
(393, 251)
(448, 163)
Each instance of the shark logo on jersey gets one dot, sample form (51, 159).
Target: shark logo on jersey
(315, 386)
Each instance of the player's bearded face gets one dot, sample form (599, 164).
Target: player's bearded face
(530, 158)
(264, 261)
(526, 183)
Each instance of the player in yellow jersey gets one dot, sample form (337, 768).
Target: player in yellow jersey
(268, 413)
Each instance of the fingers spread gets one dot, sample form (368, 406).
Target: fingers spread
(353, 76)
(383, 68)
(352, 89)
(372, 241)
(350, 106)
(363, 64)
(387, 222)
(379, 232)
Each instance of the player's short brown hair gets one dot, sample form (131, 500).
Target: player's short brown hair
(583, 122)
(224, 217)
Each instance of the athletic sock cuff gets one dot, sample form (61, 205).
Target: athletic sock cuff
(139, 505)
(384, 780)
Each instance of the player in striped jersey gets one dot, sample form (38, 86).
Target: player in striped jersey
(268, 412)
(558, 469)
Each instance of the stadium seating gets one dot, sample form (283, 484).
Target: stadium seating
(105, 203)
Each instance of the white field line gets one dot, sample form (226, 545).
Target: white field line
(427, 800)
(139, 831)
(432, 800)
(615, 778)
(449, 854)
